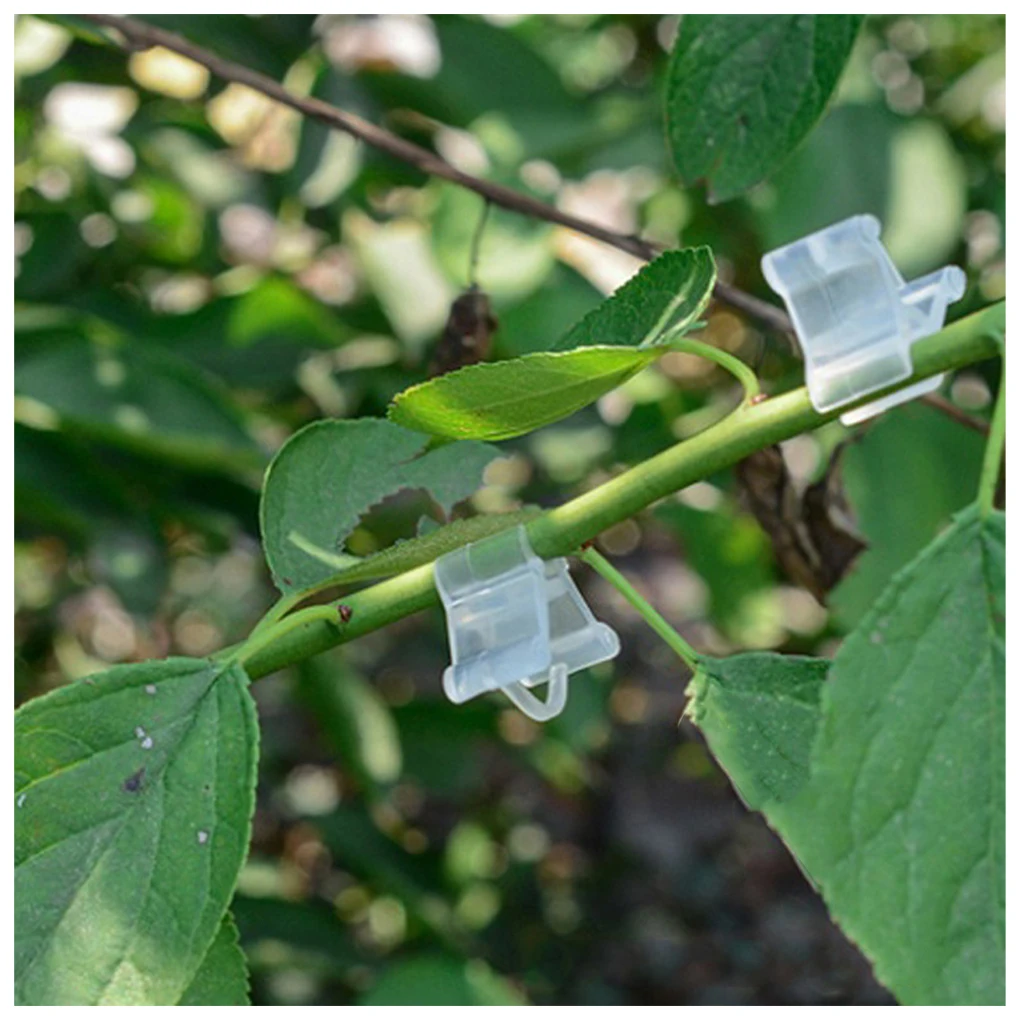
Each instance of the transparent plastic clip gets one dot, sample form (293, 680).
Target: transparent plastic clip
(855, 317)
(516, 622)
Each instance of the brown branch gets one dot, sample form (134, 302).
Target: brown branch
(139, 35)
(939, 403)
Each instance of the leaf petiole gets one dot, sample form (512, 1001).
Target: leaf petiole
(269, 629)
(651, 616)
(741, 372)
(992, 462)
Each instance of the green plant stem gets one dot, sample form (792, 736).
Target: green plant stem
(279, 609)
(266, 633)
(992, 462)
(648, 612)
(685, 345)
(743, 373)
(560, 531)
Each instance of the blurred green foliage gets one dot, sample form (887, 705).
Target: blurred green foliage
(200, 273)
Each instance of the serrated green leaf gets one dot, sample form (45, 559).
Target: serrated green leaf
(134, 791)
(429, 546)
(759, 713)
(222, 978)
(898, 811)
(142, 399)
(509, 398)
(742, 92)
(902, 824)
(666, 297)
(504, 399)
(911, 449)
(329, 474)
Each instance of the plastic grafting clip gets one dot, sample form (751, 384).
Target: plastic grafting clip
(515, 622)
(855, 318)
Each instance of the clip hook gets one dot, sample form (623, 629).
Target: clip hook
(855, 317)
(534, 707)
(514, 622)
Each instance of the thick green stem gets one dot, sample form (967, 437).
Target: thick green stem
(566, 528)
(649, 613)
(992, 463)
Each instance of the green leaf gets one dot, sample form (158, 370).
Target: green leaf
(898, 812)
(436, 980)
(413, 552)
(504, 399)
(330, 473)
(354, 717)
(865, 159)
(759, 713)
(911, 449)
(141, 399)
(222, 978)
(902, 822)
(666, 297)
(743, 92)
(134, 792)
(843, 169)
